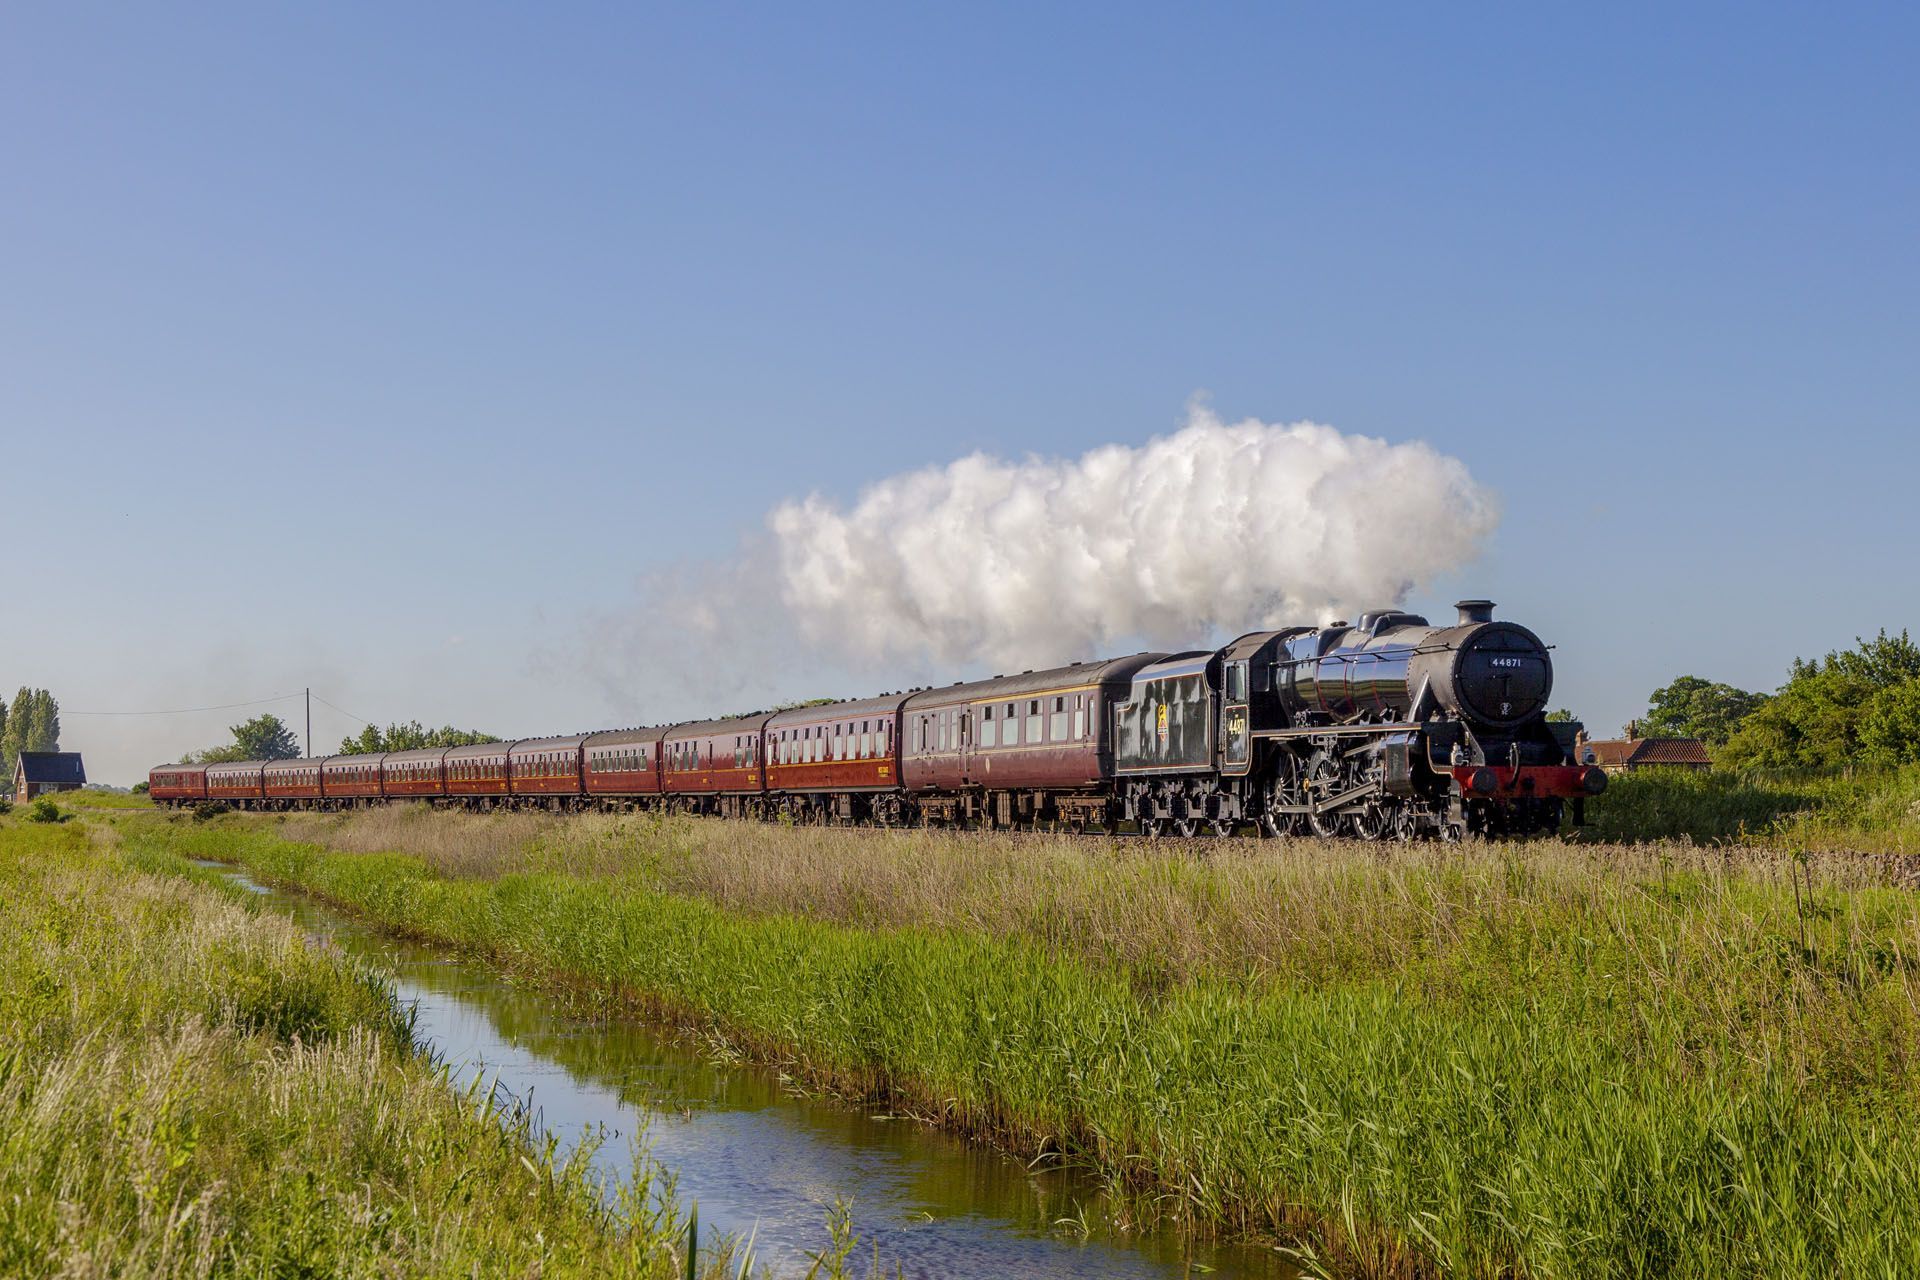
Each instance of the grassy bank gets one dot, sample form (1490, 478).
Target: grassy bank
(1556, 1060)
(1867, 810)
(188, 1088)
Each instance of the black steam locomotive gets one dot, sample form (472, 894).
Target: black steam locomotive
(1390, 727)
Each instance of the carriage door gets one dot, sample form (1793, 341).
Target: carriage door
(1236, 724)
(963, 725)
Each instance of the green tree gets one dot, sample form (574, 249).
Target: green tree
(412, 736)
(265, 737)
(1692, 707)
(45, 734)
(1819, 717)
(1890, 724)
(32, 723)
(1561, 715)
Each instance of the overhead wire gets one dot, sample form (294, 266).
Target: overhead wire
(182, 711)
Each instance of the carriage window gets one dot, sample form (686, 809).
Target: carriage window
(989, 728)
(1033, 722)
(1079, 718)
(1057, 728)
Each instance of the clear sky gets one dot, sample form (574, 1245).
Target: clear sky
(383, 348)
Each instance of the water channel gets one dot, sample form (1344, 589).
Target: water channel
(755, 1157)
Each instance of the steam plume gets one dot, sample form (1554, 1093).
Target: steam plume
(986, 564)
(1217, 527)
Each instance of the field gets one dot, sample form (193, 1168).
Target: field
(1558, 1059)
(188, 1088)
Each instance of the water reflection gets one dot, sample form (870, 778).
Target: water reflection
(755, 1157)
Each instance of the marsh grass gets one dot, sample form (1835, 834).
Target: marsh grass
(1550, 1059)
(1854, 810)
(189, 1088)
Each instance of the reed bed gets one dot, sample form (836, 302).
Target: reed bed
(188, 1088)
(1549, 1060)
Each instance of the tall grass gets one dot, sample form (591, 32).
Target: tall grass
(1866, 810)
(1544, 1060)
(188, 1089)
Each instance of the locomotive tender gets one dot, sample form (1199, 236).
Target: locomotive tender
(1386, 728)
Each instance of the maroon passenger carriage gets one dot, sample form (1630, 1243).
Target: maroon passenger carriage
(715, 766)
(415, 775)
(477, 774)
(546, 771)
(1016, 750)
(292, 784)
(237, 782)
(837, 761)
(623, 766)
(177, 784)
(352, 780)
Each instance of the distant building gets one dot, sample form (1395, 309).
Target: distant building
(38, 772)
(1621, 755)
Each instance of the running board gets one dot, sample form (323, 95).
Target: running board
(1325, 730)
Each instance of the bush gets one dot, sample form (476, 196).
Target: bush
(45, 810)
(139, 788)
(6, 806)
(210, 809)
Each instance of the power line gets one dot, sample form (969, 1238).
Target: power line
(222, 706)
(348, 714)
(183, 711)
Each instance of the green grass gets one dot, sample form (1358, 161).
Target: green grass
(95, 798)
(1866, 810)
(1545, 1060)
(188, 1088)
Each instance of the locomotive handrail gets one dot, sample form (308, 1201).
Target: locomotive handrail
(1377, 655)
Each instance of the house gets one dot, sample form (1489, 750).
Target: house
(38, 772)
(1620, 755)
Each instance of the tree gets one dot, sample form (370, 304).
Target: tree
(32, 723)
(1890, 725)
(45, 733)
(1692, 707)
(1819, 718)
(1561, 715)
(412, 736)
(265, 737)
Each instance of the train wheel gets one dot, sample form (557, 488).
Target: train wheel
(1323, 779)
(1285, 789)
(1369, 822)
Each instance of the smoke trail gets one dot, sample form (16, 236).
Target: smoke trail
(1217, 527)
(987, 564)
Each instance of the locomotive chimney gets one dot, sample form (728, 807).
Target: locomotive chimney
(1475, 611)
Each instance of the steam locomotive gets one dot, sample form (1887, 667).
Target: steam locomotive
(1388, 727)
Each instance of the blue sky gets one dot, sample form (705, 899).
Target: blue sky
(381, 348)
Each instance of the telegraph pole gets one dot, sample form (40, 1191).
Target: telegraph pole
(309, 724)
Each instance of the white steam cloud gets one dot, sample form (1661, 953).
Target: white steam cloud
(1217, 527)
(986, 564)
